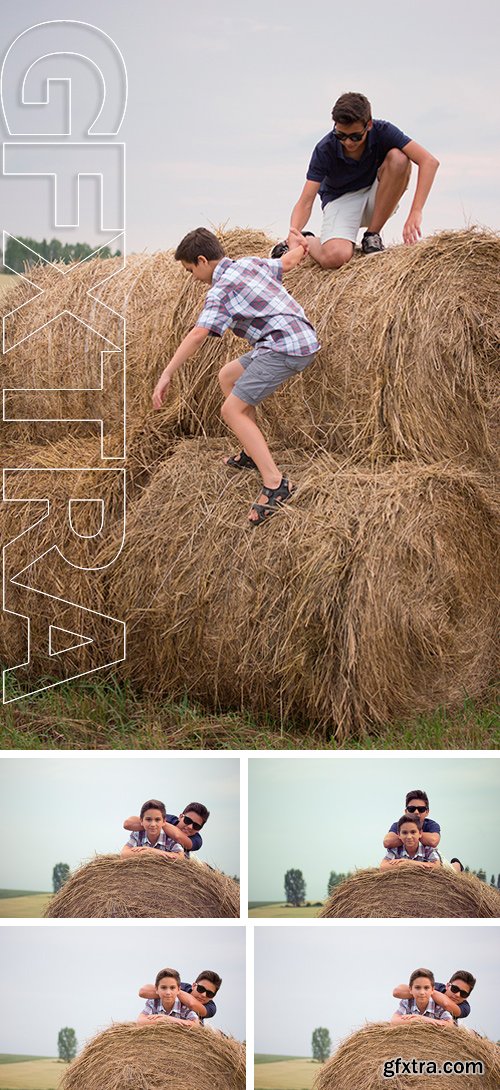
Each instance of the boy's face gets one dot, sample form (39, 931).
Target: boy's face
(421, 988)
(458, 983)
(417, 807)
(208, 992)
(410, 835)
(357, 128)
(152, 821)
(193, 824)
(203, 270)
(168, 990)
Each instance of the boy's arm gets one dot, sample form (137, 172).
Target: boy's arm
(298, 251)
(427, 167)
(148, 992)
(448, 1004)
(191, 343)
(175, 833)
(392, 840)
(401, 991)
(194, 1004)
(386, 863)
(430, 840)
(303, 209)
(132, 825)
(144, 1017)
(128, 850)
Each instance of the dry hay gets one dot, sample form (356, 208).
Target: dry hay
(408, 365)
(411, 891)
(163, 1056)
(146, 885)
(368, 598)
(58, 581)
(359, 1060)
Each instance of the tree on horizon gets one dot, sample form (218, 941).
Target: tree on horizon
(67, 1044)
(321, 1044)
(295, 887)
(60, 875)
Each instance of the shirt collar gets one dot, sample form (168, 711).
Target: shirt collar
(220, 268)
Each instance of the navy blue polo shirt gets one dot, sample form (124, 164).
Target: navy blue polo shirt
(429, 826)
(196, 840)
(464, 1007)
(339, 174)
(209, 1005)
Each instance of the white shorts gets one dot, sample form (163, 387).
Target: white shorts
(343, 217)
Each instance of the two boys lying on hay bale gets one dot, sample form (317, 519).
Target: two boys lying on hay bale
(170, 997)
(414, 838)
(155, 830)
(422, 997)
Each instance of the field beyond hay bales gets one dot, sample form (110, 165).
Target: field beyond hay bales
(146, 885)
(409, 890)
(359, 1060)
(30, 1073)
(163, 1056)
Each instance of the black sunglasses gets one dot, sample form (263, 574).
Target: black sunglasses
(189, 821)
(459, 991)
(356, 137)
(416, 809)
(204, 991)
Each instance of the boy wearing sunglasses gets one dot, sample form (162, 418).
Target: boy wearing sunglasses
(198, 996)
(452, 996)
(360, 170)
(417, 805)
(184, 830)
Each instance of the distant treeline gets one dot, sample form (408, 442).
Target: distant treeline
(17, 257)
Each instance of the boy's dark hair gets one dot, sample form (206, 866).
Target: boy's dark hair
(421, 972)
(407, 818)
(208, 974)
(167, 972)
(462, 974)
(153, 804)
(199, 243)
(417, 795)
(352, 107)
(198, 808)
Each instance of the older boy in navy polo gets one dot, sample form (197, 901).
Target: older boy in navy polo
(360, 170)
(448, 995)
(247, 296)
(417, 805)
(411, 850)
(184, 829)
(198, 996)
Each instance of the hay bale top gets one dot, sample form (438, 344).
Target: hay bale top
(359, 1060)
(163, 1056)
(146, 885)
(410, 891)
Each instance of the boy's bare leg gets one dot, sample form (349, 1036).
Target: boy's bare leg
(394, 177)
(228, 375)
(240, 417)
(332, 254)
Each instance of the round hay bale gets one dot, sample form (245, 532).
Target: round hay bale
(411, 891)
(146, 885)
(359, 1061)
(408, 360)
(163, 1056)
(369, 598)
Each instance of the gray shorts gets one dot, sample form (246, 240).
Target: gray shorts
(265, 370)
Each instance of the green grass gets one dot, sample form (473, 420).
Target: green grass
(27, 906)
(285, 1073)
(30, 1073)
(264, 1058)
(20, 892)
(14, 1058)
(102, 712)
(281, 912)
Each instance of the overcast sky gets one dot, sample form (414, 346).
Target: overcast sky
(66, 809)
(321, 814)
(226, 104)
(89, 976)
(341, 977)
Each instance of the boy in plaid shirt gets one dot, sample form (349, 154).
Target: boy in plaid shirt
(247, 296)
(166, 1003)
(412, 850)
(421, 1004)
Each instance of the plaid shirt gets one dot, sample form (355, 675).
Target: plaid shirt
(409, 1006)
(179, 1010)
(164, 842)
(248, 297)
(424, 854)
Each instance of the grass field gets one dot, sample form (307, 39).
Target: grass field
(275, 911)
(26, 906)
(20, 892)
(105, 713)
(284, 1073)
(28, 1073)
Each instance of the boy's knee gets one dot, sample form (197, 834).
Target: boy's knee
(225, 410)
(334, 255)
(397, 161)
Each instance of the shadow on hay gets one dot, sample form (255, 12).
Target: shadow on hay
(163, 1056)
(408, 890)
(359, 1061)
(146, 885)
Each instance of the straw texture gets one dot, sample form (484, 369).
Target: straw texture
(162, 1056)
(359, 1060)
(411, 891)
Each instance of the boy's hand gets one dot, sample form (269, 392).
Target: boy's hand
(412, 228)
(161, 390)
(296, 238)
